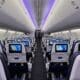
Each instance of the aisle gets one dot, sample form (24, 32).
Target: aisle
(38, 69)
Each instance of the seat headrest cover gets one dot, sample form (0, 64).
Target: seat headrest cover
(75, 73)
(2, 72)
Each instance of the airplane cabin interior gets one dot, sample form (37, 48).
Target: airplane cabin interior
(39, 39)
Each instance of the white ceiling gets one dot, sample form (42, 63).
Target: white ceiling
(39, 7)
(64, 15)
(14, 16)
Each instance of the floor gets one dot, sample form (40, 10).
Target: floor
(38, 69)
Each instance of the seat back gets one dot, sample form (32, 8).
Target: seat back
(60, 52)
(75, 47)
(75, 51)
(16, 53)
(4, 74)
(75, 73)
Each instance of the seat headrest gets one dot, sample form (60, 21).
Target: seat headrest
(75, 73)
(2, 71)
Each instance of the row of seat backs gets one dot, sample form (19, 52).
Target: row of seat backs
(51, 41)
(28, 43)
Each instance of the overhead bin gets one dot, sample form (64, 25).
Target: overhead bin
(64, 15)
(13, 16)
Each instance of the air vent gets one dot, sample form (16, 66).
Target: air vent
(2, 3)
